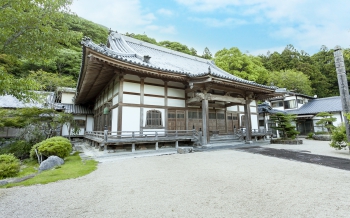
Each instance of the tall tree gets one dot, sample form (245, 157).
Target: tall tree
(292, 80)
(34, 29)
(242, 65)
(207, 54)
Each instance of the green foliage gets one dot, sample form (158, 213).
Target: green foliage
(142, 37)
(176, 46)
(73, 167)
(19, 148)
(292, 80)
(58, 146)
(50, 81)
(339, 138)
(21, 88)
(284, 125)
(9, 165)
(35, 29)
(242, 65)
(326, 121)
(309, 135)
(207, 54)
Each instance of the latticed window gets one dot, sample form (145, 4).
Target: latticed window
(154, 118)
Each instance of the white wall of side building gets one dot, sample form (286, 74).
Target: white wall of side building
(67, 98)
(318, 128)
(90, 123)
(255, 124)
(131, 119)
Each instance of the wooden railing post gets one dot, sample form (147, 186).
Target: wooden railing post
(176, 133)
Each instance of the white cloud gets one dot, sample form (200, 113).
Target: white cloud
(165, 12)
(303, 23)
(162, 29)
(120, 15)
(213, 22)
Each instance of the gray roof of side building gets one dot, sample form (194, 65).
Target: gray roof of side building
(266, 108)
(329, 104)
(132, 50)
(11, 102)
(74, 109)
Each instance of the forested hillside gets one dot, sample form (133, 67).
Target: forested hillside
(296, 70)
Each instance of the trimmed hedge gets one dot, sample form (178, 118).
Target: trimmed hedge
(9, 165)
(58, 146)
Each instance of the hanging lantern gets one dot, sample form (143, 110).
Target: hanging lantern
(106, 110)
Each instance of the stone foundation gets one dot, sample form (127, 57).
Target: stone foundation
(287, 141)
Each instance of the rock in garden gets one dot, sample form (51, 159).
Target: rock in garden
(185, 150)
(50, 163)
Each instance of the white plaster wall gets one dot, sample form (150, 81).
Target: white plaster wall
(153, 90)
(67, 98)
(90, 123)
(115, 100)
(241, 108)
(253, 103)
(131, 87)
(65, 130)
(154, 81)
(232, 108)
(145, 115)
(153, 100)
(131, 119)
(131, 99)
(176, 84)
(115, 119)
(132, 77)
(176, 92)
(176, 103)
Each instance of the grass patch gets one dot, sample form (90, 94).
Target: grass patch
(73, 167)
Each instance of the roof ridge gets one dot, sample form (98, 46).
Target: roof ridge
(164, 49)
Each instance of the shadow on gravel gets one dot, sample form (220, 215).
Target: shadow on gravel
(335, 162)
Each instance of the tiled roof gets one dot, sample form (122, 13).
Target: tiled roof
(9, 101)
(131, 50)
(266, 108)
(74, 109)
(330, 104)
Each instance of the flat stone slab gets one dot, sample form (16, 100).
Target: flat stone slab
(184, 150)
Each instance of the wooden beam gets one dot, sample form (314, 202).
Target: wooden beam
(211, 97)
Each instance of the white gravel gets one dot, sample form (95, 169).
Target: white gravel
(222, 183)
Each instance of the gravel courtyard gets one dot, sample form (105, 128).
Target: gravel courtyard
(224, 183)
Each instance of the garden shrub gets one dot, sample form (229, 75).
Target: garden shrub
(19, 148)
(58, 146)
(9, 165)
(309, 135)
(339, 138)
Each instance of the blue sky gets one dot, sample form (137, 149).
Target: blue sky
(253, 26)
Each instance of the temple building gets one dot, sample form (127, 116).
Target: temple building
(132, 85)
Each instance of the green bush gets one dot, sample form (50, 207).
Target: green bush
(339, 138)
(19, 148)
(9, 165)
(58, 146)
(309, 135)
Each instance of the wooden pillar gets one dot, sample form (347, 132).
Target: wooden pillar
(248, 121)
(133, 147)
(120, 101)
(205, 119)
(142, 94)
(166, 105)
